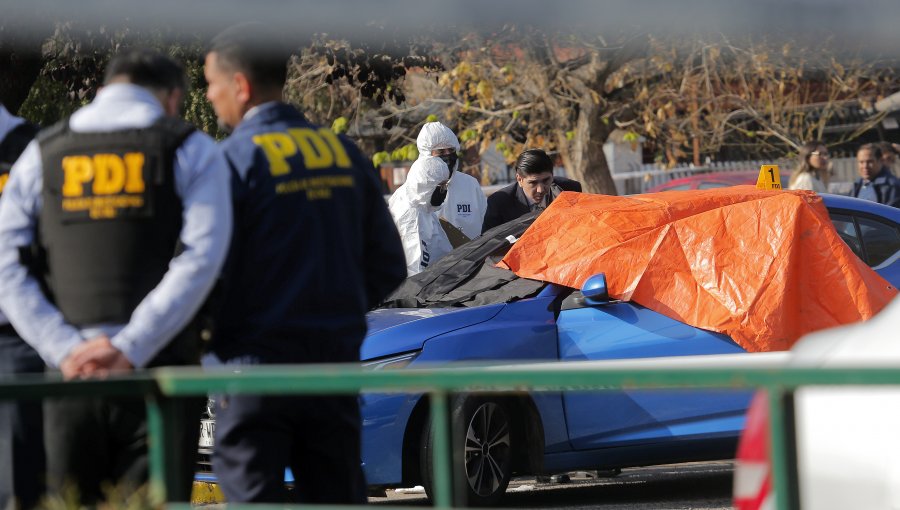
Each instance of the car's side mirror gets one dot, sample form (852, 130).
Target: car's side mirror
(595, 291)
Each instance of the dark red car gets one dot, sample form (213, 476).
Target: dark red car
(714, 180)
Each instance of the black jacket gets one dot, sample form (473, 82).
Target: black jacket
(314, 246)
(509, 203)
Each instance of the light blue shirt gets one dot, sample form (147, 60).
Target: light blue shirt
(8, 122)
(867, 191)
(202, 181)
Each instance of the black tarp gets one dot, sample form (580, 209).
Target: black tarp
(467, 275)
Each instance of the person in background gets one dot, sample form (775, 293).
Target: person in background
(415, 205)
(314, 249)
(889, 153)
(876, 182)
(812, 169)
(21, 425)
(125, 211)
(534, 189)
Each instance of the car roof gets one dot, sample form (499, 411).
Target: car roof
(737, 177)
(858, 204)
(731, 177)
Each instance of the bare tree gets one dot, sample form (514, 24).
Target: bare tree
(524, 88)
(698, 98)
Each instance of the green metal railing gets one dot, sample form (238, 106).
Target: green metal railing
(162, 386)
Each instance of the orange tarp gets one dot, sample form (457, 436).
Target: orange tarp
(764, 267)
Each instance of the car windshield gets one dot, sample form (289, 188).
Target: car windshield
(468, 275)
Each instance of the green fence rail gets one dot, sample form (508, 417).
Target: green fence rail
(162, 386)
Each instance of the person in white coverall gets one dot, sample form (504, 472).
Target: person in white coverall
(414, 208)
(466, 202)
(428, 195)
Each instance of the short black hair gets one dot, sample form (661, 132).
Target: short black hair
(873, 148)
(255, 51)
(533, 161)
(147, 68)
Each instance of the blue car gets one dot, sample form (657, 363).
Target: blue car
(465, 310)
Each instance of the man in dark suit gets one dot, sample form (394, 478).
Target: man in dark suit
(534, 189)
(876, 183)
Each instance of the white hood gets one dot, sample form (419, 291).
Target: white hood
(424, 176)
(435, 135)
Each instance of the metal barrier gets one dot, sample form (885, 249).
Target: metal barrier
(161, 386)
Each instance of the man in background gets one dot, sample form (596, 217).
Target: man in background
(876, 182)
(535, 188)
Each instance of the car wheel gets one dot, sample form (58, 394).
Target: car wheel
(487, 449)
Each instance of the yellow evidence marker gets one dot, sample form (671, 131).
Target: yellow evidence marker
(769, 178)
(206, 493)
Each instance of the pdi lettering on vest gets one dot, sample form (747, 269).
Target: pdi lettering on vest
(108, 174)
(463, 208)
(318, 148)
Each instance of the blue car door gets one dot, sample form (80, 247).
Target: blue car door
(617, 418)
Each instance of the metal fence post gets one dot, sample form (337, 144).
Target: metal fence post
(156, 449)
(442, 455)
(166, 422)
(783, 448)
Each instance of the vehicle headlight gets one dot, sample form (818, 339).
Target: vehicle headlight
(391, 362)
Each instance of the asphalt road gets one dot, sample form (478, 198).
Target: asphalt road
(701, 486)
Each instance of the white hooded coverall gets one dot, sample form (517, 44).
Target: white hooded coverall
(424, 241)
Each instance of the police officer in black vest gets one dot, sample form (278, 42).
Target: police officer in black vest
(21, 427)
(128, 210)
(314, 247)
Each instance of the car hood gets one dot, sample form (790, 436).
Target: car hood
(397, 330)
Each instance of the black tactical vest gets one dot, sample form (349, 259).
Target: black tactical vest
(110, 219)
(11, 148)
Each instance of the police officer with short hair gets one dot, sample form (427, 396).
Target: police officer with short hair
(126, 212)
(21, 426)
(314, 248)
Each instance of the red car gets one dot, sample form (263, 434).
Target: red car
(714, 180)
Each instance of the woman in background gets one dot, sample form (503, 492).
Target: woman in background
(811, 171)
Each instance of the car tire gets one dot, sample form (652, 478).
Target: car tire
(488, 444)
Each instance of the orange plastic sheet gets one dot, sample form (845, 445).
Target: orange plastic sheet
(764, 267)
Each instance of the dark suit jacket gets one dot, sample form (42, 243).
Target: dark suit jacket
(509, 203)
